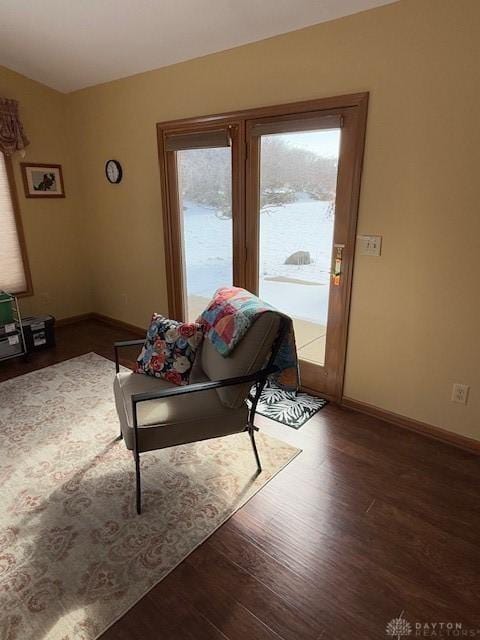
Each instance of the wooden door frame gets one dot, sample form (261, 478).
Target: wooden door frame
(357, 106)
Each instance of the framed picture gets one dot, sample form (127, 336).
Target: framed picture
(43, 180)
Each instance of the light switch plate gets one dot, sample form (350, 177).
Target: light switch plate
(369, 245)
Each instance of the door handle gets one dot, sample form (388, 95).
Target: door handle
(336, 272)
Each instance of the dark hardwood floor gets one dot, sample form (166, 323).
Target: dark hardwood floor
(369, 522)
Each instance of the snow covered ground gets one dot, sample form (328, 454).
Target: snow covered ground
(304, 225)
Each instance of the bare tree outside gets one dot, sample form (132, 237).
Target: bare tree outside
(286, 171)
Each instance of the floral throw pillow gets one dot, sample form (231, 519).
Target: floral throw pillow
(170, 349)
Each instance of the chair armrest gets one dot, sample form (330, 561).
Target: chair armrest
(128, 343)
(124, 343)
(202, 386)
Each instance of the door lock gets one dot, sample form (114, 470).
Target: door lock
(337, 263)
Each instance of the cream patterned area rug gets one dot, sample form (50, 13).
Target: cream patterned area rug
(74, 556)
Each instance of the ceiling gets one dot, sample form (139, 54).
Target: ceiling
(71, 44)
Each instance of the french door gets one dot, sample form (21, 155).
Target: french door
(267, 199)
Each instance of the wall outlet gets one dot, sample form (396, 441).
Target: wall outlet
(125, 299)
(369, 245)
(460, 393)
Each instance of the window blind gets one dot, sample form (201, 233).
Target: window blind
(268, 126)
(12, 273)
(199, 140)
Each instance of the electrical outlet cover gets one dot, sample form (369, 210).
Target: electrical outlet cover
(460, 393)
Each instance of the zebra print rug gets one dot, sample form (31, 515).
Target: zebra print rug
(287, 407)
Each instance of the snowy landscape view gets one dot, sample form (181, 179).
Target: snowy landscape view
(298, 290)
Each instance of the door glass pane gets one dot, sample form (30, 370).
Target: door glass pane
(205, 189)
(298, 176)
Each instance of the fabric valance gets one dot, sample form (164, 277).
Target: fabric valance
(12, 135)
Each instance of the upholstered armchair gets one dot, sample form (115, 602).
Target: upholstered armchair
(155, 414)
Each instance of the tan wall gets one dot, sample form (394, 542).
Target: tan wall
(53, 228)
(415, 311)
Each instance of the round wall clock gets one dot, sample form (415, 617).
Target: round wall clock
(113, 171)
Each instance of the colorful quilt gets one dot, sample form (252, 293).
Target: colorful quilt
(226, 320)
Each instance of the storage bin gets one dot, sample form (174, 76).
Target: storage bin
(6, 308)
(8, 329)
(39, 332)
(11, 346)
